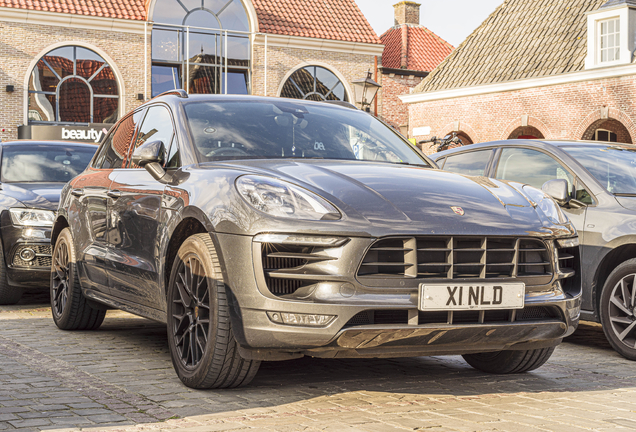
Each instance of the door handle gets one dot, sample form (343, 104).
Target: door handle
(114, 194)
(77, 192)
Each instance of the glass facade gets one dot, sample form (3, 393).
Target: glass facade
(72, 84)
(314, 83)
(202, 46)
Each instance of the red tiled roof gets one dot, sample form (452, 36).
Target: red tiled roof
(414, 48)
(124, 9)
(324, 19)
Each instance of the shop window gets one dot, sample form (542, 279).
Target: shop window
(605, 135)
(72, 84)
(609, 43)
(202, 47)
(314, 83)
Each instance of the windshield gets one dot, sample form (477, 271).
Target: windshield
(613, 167)
(27, 163)
(230, 130)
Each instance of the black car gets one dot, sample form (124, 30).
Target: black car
(600, 201)
(32, 175)
(270, 229)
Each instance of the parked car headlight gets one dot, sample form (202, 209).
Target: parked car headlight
(32, 217)
(283, 199)
(546, 204)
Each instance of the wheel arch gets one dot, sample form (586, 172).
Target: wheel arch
(610, 261)
(58, 226)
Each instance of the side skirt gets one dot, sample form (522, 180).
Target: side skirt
(127, 306)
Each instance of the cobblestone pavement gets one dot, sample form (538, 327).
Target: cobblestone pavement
(120, 378)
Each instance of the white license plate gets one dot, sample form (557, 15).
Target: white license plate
(452, 297)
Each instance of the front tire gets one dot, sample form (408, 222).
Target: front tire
(202, 345)
(618, 309)
(509, 362)
(69, 307)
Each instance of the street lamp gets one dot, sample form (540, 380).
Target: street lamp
(365, 91)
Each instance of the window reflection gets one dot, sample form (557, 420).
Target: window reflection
(73, 84)
(314, 83)
(202, 56)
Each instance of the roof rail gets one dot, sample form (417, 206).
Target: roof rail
(176, 92)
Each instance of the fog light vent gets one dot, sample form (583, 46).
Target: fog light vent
(27, 254)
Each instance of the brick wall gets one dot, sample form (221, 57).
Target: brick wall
(281, 60)
(20, 43)
(390, 107)
(568, 111)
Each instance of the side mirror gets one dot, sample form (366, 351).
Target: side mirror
(151, 156)
(557, 189)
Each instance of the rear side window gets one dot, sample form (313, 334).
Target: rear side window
(473, 163)
(531, 167)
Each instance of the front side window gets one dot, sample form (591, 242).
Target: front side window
(610, 40)
(314, 83)
(73, 84)
(157, 126)
(530, 167)
(613, 167)
(114, 151)
(26, 163)
(473, 163)
(201, 46)
(286, 129)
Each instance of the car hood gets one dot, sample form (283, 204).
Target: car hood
(35, 195)
(387, 194)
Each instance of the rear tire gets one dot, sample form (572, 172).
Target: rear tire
(8, 294)
(509, 362)
(202, 345)
(69, 307)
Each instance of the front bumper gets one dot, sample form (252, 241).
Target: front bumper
(35, 272)
(393, 326)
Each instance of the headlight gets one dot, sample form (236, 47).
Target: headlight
(548, 206)
(283, 199)
(32, 217)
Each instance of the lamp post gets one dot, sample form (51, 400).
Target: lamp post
(365, 91)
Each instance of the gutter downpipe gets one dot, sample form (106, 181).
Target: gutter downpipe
(145, 60)
(265, 92)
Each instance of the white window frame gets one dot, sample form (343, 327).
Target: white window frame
(615, 34)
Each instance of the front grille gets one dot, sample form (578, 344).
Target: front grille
(284, 267)
(529, 313)
(42, 257)
(437, 257)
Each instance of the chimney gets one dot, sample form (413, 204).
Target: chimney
(407, 12)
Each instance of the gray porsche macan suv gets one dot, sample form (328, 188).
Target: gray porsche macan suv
(270, 229)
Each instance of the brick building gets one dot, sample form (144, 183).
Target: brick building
(70, 68)
(552, 69)
(411, 52)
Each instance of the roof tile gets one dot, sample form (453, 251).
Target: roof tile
(520, 39)
(324, 19)
(424, 49)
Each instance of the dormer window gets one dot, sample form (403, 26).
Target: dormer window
(609, 32)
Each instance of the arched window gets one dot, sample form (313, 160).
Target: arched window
(314, 83)
(75, 85)
(202, 46)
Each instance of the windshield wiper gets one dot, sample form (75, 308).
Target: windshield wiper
(625, 194)
(411, 164)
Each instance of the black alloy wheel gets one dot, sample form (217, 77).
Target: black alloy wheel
(69, 307)
(59, 280)
(191, 313)
(618, 309)
(204, 352)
